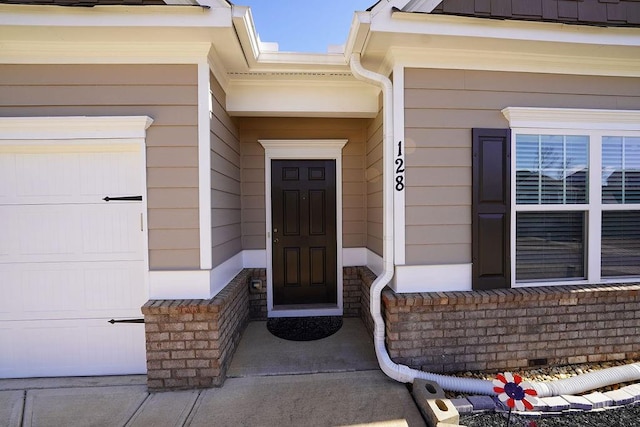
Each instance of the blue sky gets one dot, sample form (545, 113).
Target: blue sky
(304, 25)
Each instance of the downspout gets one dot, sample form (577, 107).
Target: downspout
(403, 373)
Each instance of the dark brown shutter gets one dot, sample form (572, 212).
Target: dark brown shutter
(491, 208)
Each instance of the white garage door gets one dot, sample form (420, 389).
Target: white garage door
(70, 261)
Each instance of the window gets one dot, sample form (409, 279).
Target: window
(575, 195)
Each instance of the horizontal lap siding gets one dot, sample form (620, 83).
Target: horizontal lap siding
(253, 185)
(225, 180)
(166, 93)
(374, 174)
(441, 108)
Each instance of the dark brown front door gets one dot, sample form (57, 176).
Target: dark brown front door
(303, 200)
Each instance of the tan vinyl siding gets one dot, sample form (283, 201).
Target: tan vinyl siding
(374, 173)
(168, 94)
(226, 230)
(253, 185)
(441, 108)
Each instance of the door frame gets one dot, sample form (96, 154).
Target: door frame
(303, 149)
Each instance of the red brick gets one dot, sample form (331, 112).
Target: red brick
(173, 364)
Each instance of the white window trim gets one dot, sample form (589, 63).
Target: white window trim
(559, 121)
(330, 149)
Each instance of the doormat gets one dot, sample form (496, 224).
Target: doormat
(304, 328)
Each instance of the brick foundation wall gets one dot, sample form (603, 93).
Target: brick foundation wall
(352, 292)
(258, 297)
(366, 280)
(190, 342)
(513, 328)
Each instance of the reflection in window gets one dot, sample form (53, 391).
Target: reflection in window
(620, 169)
(550, 245)
(552, 169)
(620, 243)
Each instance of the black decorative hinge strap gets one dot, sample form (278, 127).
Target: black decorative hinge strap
(112, 321)
(122, 198)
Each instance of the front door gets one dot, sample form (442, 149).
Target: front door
(304, 247)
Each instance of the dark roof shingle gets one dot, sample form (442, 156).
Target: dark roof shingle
(614, 13)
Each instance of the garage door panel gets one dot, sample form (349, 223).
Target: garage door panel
(46, 176)
(113, 231)
(72, 347)
(49, 286)
(43, 230)
(109, 174)
(69, 233)
(72, 290)
(7, 178)
(9, 303)
(116, 290)
(68, 177)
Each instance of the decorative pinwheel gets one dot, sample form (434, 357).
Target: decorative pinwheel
(514, 392)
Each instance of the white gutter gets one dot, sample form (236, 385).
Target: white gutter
(403, 373)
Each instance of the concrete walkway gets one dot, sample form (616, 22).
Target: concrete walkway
(272, 382)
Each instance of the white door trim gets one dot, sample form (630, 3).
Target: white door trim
(303, 149)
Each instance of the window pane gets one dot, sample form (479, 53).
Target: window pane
(550, 245)
(551, 169)
(620, 169)
(620, 243)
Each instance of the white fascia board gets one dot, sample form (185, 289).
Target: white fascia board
(113, 16)
(358, 33)
(74, 127)
(324, 99)
(246, 31)
(54, 52)
(447, 25)
(488, 60)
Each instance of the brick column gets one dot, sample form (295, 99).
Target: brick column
(190, 342)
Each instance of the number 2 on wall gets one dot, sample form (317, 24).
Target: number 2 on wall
(399, 169)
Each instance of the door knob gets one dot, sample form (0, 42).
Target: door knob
(275, 240)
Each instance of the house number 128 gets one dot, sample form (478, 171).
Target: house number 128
(399, 169)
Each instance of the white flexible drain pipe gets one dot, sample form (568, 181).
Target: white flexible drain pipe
(405, 374)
